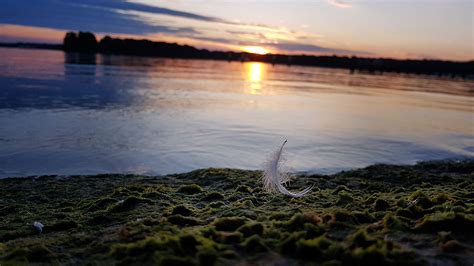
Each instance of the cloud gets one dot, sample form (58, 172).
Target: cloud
(96, 16)
(339, 3)
(147, 8)
(100, 16)
(316, 49)
(120, 17)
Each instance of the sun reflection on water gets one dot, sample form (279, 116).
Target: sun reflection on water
(254, 76)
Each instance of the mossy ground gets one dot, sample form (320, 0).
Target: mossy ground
(422, 214)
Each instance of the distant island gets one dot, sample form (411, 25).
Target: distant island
(86, 42)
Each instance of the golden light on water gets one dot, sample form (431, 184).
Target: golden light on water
(256, 50)
(254, 72)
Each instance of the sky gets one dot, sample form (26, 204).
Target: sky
(415, 29)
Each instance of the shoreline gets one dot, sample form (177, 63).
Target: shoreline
(314, 172)
(442, 69)
(381, 214)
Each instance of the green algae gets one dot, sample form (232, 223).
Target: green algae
(382, 214)
(446, 221)
(181, 220)
(229, 223)
(213, 196)
(31, 254)
(182, 210)
(190, 189)
(254, 244)
(251, 228)
(381, 205)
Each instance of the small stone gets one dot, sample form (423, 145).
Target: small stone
(38, 226)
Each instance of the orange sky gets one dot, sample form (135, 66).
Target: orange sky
(423, 29)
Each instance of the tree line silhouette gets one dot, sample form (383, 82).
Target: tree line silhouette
(86, 42)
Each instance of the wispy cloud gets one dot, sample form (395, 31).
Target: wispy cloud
(101, 16)
(131, 6)
(340, 3)
(121, 5)
(316, 49)
(97, 16)
(121, 17)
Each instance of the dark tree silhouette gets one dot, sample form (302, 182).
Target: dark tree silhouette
(86, 42)
(70, 42)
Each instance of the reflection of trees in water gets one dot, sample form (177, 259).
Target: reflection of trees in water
(80, 64)
(83, 84)
(87, 85)
(80, 58)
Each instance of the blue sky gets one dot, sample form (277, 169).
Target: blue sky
(441, 29)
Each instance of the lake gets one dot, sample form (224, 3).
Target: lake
(83, 114)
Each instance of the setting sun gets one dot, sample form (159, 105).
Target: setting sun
(256, 50)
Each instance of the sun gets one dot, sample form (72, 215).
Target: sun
(256, 50)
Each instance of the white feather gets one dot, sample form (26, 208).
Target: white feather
(274, 179)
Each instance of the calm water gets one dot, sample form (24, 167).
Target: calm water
(70, 114)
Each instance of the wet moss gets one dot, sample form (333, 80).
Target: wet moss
(190, 189)
(342, 215)
(32, 254)
(341, 188)
(250, 229)
(128, 204)
(244, 189)
(9, 209)
(381, 205)
(229, 254)
(298, 221)
(279, 215)
(207, 256)
(145, 247)
(172, 260)
(216, 204)
(371, 255)
(188, 244)
(344, 198)
(213, 196)
(361, 239)
(244, 204)
(418, 198)
(182, 210)
(313, 230)
(356, 217)
(155, 195)
(100, 204)
(404, 213)
(288, 246)
(123, 191)
(363, 217)
(99, 219)
(449, 221)
(183, 220)
(441, 198)
(229, 223)
(393, 222)
(228, 237)
(60, 226)
(452, 246)
(254, 244)
(316, 248)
